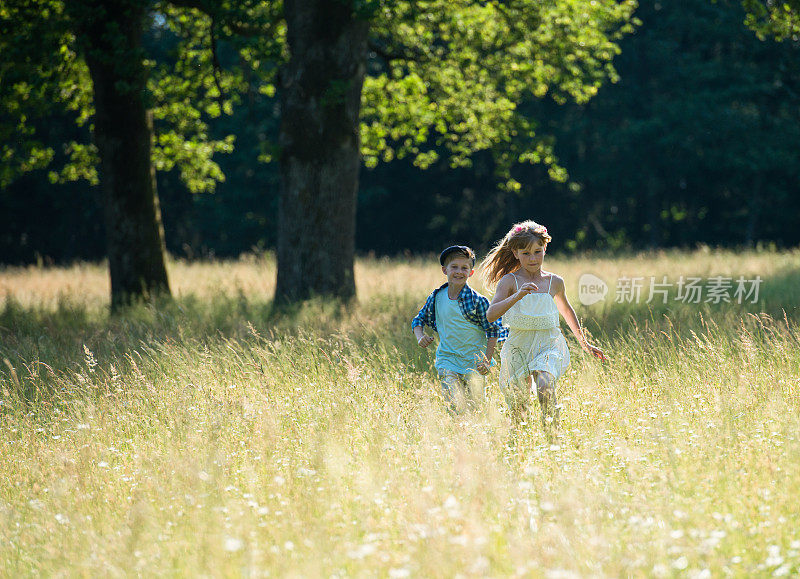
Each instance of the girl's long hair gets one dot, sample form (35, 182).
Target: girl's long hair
(501, 260)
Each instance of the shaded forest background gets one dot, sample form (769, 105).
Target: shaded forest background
(696, 143)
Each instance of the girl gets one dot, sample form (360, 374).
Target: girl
(529, 300)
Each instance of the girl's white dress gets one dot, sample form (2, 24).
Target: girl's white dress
(535, 341)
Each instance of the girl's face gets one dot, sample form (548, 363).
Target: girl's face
(530, 258)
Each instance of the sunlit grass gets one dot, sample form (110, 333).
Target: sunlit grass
(211, 436)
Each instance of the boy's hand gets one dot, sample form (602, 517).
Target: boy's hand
(482, 367)
(425, 341)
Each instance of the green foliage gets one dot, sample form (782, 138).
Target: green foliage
(694, 143)
(450, 76)
(190, 89)
(446, 76)
(779, 19)
(40, 75)
(44, 74)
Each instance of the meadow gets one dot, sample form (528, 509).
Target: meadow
(212, 436)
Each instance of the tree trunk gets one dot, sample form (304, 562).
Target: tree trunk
(320, 149)
(123, 135)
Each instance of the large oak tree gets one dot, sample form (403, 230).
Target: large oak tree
(369, 81)
(87, 57)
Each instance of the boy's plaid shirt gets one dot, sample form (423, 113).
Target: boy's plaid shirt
(473, 307)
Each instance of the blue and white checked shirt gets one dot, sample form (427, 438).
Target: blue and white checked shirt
(473, 307)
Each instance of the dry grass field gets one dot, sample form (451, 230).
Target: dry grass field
(212, 436)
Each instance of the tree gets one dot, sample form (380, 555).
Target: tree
(436, 75)
(86, 56)
(109, 35)
(321, 85)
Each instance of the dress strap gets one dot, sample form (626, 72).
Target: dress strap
(549, 284)
(516, 283)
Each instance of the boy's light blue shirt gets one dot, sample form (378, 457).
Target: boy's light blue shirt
(462, 344)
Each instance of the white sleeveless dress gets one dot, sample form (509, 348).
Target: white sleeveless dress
(535, 342)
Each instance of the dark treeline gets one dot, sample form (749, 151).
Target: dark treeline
(696, 143)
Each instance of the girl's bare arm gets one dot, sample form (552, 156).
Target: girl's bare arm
(567, 311)
(506, 296)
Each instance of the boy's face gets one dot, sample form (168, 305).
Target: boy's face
(458, 270)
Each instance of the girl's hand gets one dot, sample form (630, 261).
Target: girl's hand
(425, 341)
(526, 288)
(595, 351)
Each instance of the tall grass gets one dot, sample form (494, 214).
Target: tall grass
(212, 436)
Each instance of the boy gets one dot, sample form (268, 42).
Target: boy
(466, 339)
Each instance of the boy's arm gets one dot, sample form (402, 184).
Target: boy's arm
(420, 320)
(493, 329)
(485, 364)
(491, 343)
(423, 339)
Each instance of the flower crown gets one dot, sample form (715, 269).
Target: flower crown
(541, 229)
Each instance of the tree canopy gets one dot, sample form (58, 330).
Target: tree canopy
(777, 18)
(444, 78)
(44, 74)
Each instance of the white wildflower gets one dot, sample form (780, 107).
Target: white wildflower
(660, 570)
(451, 506)
(560, 574)
(362, 551)
(782, 571)
(773, 561)
(773, 556)
(680, 563)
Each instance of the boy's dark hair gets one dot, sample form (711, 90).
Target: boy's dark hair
(456, 251)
